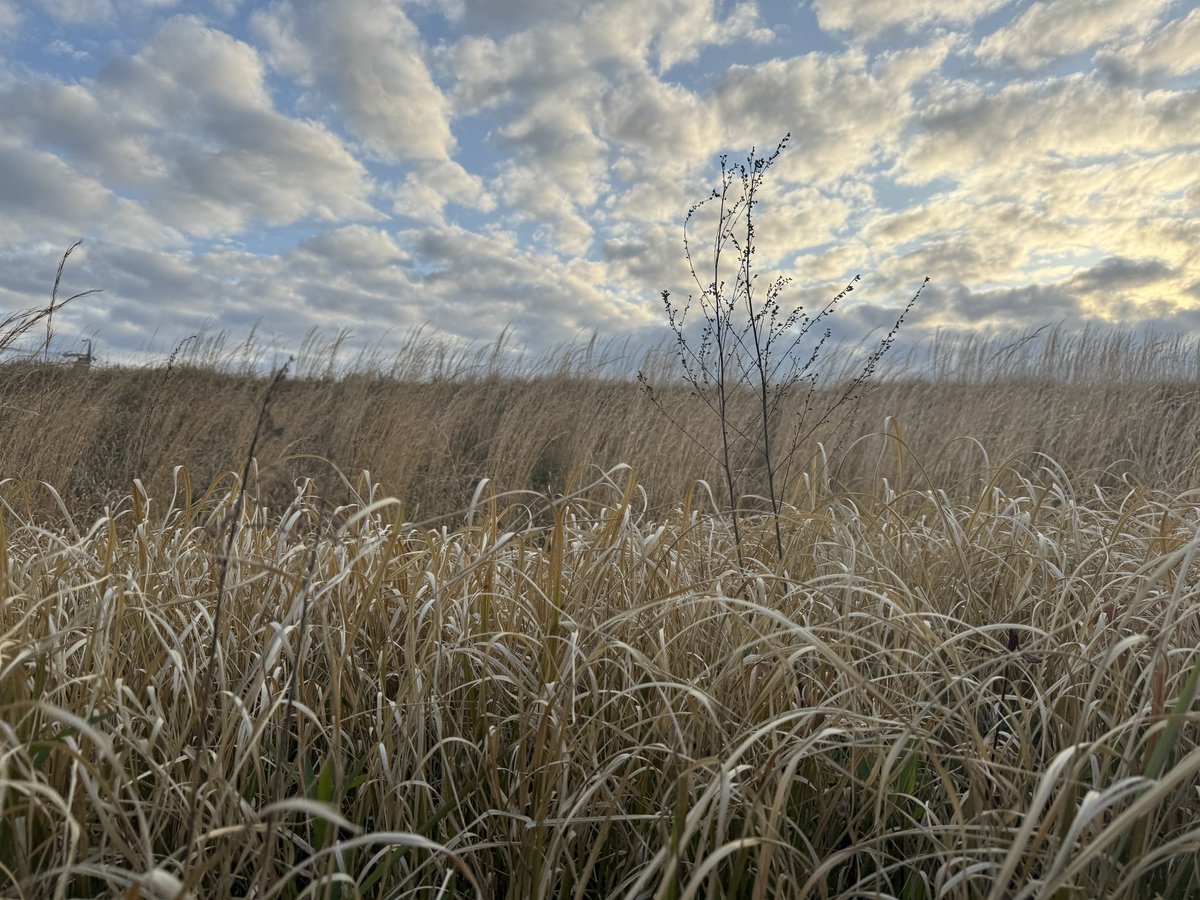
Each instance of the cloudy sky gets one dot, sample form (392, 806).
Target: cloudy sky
(471, 165)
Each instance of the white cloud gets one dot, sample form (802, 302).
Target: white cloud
(60, 47)
(10, 16)
(1047, 221)
(511, 15)
(793, 220)
(1173, 50)
(842, 113)
(633, 35)
(871, 18)
(1048, 31)
(556, 165)
(365, 58)
(46, 200)
(965, 128)
(686, 27)
(481, 283)
(78, 11)
(246, 161)
(356, 246)
(667, 121)
(488, 72)
(189, 122)
(551, 207)
(584, 132)
(431, 185)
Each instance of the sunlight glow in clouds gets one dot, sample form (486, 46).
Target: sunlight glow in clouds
(379, 164)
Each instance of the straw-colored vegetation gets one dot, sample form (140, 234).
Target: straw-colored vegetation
(973, 674)
(429, 423)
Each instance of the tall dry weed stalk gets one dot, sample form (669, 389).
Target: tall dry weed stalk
(749, 343)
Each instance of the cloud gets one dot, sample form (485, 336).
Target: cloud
(1106, 291)
(1173, 50)
(1008, 306)
(478, 284)
(1116, 273)
(579, 98)
(513, 15)
(686, 27)
(10, 16)
(1049, 31)
(379, 164)
(47, 201)
(60, 47)
(364, 58)
(666, 122)
(555, 165)
(628, 35)
(77, 12)
(188, 123)
(964, 127)
(871, 18)
(843, 113)
(431, 185)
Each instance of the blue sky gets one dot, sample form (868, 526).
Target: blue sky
(476, 165)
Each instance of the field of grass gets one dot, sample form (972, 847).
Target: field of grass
(973, 673)
(429, 424)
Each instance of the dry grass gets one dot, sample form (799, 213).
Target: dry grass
(970, 676)
(429, 425)
(930, 698)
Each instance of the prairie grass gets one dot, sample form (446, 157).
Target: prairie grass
(430, 422)
(973, 673)
(989, 695)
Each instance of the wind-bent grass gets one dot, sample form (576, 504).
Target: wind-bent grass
(927, 698)
(429, 426)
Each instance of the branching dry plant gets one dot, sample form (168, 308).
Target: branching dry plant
(748, 343)
(943, 699)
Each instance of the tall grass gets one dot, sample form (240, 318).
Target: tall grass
(430, 424)
(583, 697)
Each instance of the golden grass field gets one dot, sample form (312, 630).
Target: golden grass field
(361, 671)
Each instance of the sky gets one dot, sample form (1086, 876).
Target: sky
(472, 166)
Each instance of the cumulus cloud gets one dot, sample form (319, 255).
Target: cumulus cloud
(556, 167)
(365, 60)
(1007, 306)
(1048, 31)
(1172, 50)
(46, 200)
(486, 282)
(427, 189)
(965, 126)
(658, 130)
(871, 18)
(1114, 290)
(513, 15)
(189, 123)
(689, 26)
(1116, 273)
(630, 35)
(380, 164)
(842, 112)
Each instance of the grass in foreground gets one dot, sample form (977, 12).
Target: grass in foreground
(929, 698)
